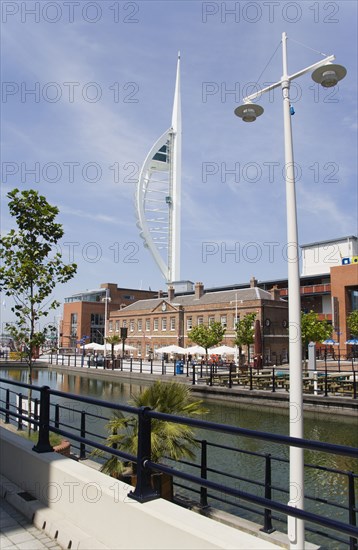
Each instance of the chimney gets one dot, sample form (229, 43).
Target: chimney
(160, 294)
(199, 290)
(170, 293)
(275, 293)
(253, 282)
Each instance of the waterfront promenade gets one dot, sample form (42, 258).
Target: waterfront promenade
(18, 533)
(336, 388)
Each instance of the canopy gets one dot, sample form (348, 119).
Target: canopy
(352, 342)
(330, 342)
(192, 350)
(94, 345)
(127, 347)
(171, 349)
(221, 350)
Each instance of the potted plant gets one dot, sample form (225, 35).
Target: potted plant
(168, 440)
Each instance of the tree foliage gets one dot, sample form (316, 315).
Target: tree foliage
(31, 267)
(207, 336)
(168, 439)
(352, 323)
(113, 341)
(313, 329)
(245, 332)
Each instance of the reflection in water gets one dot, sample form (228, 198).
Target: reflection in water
(321, 484)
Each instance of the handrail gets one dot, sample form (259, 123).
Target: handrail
(143, 490)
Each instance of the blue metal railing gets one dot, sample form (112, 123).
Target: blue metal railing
(144, 491)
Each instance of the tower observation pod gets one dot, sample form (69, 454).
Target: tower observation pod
(158, 195)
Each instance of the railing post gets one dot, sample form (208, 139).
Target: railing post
(36, 412)
(193, 381)
(273, 380)
(83, 434)
(19, 410)
(43, 442)
(57, 416)
(351, 509)
(267, 528)
(140, 365)
(354, 385)
(230, 376)
(7, 406)
(211, 375)
(250, 374)
(144, 490)
(130, 364)
(325, 382)
(204, 473)
(151, 366)
(162, 367)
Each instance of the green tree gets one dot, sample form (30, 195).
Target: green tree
(352, 323)
(113, 340)
(30, 268)
(313, 330)
(168, 439)
(207, 336)
(245, 332)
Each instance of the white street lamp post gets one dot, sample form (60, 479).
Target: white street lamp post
(326, 74)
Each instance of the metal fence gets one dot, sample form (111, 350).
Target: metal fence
(200, 477)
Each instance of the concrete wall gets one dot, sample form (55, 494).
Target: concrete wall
(92, 510)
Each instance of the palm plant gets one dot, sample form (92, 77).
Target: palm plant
(113, 340)
(168, 439)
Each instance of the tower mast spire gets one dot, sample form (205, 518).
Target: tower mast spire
(174, 230)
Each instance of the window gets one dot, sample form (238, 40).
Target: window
(139, 325)
(124, 324)
(211, 319)
(117, 326)
(131, 325)
(235, 320)
(110, 326)
(156, 324)
(172, 323)
(164, 323)
(147, 325)
(223, 321)
(73, 323)
(200, 320)
(189, 323)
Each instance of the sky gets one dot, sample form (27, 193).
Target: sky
(87, 88)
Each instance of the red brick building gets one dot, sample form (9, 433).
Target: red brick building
(84, 312)
(166, 320)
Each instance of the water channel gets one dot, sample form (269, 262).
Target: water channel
(325, 428)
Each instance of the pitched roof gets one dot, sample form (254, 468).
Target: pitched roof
(219, 297)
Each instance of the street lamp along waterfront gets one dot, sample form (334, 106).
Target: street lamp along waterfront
(327, 74)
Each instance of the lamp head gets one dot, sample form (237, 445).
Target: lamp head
(249, 111)
(329, 75)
